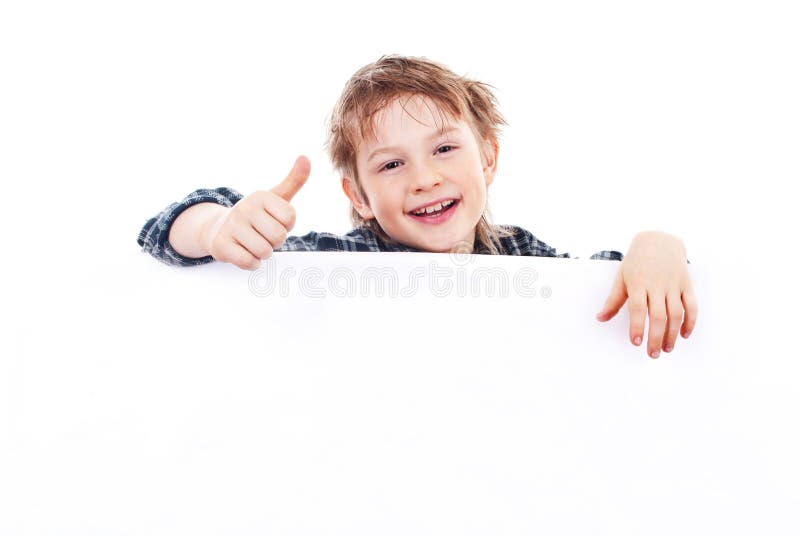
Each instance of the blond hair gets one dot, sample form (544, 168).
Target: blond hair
(375, 86)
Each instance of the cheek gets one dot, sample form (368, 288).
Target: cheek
(481, 196)
(389, 201)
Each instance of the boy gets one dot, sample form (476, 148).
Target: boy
(416, 146)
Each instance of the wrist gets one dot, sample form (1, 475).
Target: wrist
(188, 232)
(661, 238)
(212, 219)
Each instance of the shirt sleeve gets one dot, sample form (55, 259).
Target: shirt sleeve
(607, 256)
(307, 242)
(356, 240)
(523, 242)
(153, 237)
(614, 256)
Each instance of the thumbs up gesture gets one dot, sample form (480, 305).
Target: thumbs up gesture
(250, 230)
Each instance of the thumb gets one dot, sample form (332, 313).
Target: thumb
(295, 180)
(615, 300)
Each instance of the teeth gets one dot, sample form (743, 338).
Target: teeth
(434, 208)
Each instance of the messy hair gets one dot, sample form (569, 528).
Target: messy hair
(375, 86)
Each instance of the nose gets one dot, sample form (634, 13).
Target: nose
(426, 178)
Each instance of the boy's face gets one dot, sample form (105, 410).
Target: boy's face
(412, 166)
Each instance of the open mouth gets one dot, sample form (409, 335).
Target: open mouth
(435, 213)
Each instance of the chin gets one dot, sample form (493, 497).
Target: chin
(433, 249)
(440, 246)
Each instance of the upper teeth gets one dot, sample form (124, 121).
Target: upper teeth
(434, 208)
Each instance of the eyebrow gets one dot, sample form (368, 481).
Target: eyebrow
(436, 134)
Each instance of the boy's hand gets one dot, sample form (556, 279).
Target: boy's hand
(655, 277)
(250, 230)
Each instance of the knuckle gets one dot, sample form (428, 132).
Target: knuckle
(669, 339)
(254, 202)
(638, 319)
(236, 219)
(244, 262)
(655, 341)
(291, 217)
(280, 210)
(257, 198)
(222, 253)
(280, 236)
(234, 255)
(637, 306)
(264, 250)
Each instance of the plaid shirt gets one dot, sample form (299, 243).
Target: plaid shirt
(153, 236)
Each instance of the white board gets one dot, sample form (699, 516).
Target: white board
(229, 409)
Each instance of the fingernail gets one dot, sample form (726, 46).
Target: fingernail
(637, 341)
(686, 334)
(668, 349)
(654, 354)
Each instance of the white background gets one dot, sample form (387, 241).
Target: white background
(624, 116)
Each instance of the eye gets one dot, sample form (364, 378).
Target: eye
(390, 165)
(394, 164)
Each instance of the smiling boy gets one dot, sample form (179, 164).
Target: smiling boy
(416, 147)
(426, 186)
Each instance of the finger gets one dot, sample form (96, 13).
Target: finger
(295, 180)
(674, 316)
(252, 241)
(690, 306)
(236, 254)
(637, 308)
(271, 229)
(615, 300)
(279, 209)
(656, 304)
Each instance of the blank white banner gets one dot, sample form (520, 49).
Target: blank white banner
(381, 393)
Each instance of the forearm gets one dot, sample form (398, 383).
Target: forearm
(189, 232)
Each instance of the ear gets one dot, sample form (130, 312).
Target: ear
(361, 206)
(490, 153)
